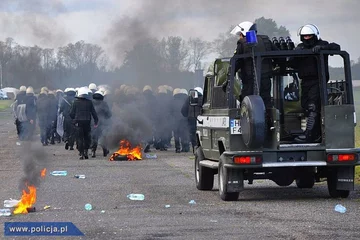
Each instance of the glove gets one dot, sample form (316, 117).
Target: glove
(317, 49)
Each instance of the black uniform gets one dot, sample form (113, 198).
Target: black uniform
(20, 99)
(69, 129)
(180, 127)
(310, 85)
(43, 116)
(52, 117)
(104, 114)
(81, 112)
(247, 69)
(163, 124)
(191, 113)
(29, 125)
(149, 105)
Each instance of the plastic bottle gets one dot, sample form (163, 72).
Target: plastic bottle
(59, 173)
(135, 196)
(340, 208)
(88, 207)
(11, 203)
(80, 176)
(5, 212)
(151, 156)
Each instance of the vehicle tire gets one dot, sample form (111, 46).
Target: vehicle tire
(204, 177)
(305, 178)
(331, 183)
(283, 177)
(224, 195)
(252, 121)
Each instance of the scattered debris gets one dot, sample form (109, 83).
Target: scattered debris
(135, 196)
(102, 211)
(88, 207)
(80, 176)
(18, 143)
(47, 207)
(11, 203)
(213, 221)
(151, 156)
(58, 173)
(167, 206)
(340, 208)
(192, 202)
(5, 212)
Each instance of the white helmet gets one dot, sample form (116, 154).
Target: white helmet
(99, 92)
(83, 92)
(176, 91)
(243, 28)
(29, 90)
(199, 90)
(22, 89)
(92, 86)
(184, 91)
(309, 29)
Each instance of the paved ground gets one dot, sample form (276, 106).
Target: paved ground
(264, 210)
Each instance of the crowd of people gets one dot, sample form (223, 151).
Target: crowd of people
(83, 118)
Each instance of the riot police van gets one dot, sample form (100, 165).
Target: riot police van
(238, 143)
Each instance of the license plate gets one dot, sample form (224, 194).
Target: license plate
(235, 127)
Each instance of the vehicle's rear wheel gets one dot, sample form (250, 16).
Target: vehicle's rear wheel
(283, 177)
(331, 182)
(204, 177)
(224, 195)
(252, 121)
(305, 178)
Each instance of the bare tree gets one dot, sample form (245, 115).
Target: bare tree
(6, 53)
(198, 50)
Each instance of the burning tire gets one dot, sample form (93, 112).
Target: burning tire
(252, 121)
(204, 177)
(223, 191)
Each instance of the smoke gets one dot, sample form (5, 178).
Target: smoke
(33, 21)
(34, 160)
(129, 122)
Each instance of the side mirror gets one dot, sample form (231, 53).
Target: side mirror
(194, 97)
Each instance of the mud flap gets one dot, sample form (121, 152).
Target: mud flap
(345, 178)
(235, 180)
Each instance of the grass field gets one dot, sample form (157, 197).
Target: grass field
(4, 104)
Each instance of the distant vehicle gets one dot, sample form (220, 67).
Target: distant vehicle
(237, 142)
(3, 95)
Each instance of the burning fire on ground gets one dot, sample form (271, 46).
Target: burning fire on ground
(126, 152)
(28, 197)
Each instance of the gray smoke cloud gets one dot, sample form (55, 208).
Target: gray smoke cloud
(129, 122)
(35, 20)
(34, 160)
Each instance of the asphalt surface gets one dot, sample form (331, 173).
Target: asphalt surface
(263, 211)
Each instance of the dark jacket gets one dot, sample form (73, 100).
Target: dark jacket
(246, 64)
(177, 104)
(30, 101)
(20, 97)
(82, 110)
(65, 105)
(42, 104)
(307, 66)
(102, 110)
(191, 112)
(53, 107)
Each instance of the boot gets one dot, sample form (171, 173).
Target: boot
(105, 152)
(86, 155)
(81, 155)
(66, 145)
(71, 148)
(310, 135)
(93, 153)
(177, 150)
(147, 148)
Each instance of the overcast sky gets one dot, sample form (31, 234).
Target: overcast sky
(53, 23)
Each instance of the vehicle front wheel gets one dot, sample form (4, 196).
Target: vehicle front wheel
(224, 195)
(204, 177)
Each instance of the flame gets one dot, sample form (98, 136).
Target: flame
(27, 200)
(43, 173)
(125, 149)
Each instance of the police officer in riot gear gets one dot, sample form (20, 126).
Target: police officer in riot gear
(81, 112)
(310, 85)
(246, 65)
(192, 112)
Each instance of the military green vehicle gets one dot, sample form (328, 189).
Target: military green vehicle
(238, 143)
